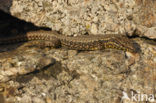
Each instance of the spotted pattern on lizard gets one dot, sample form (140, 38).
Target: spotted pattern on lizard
(86, 42)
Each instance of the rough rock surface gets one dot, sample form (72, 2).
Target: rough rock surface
(43, 75)
(77, 17)
(94, 77)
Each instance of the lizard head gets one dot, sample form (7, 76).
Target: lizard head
(123, 43)
(128, 44)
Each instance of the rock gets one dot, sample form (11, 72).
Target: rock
(70, 17)
(143, 31)
(94, 29)
(20, 62)
(90, 75)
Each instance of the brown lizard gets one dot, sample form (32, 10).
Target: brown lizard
(90, 42)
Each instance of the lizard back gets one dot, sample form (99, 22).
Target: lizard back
(86, 42)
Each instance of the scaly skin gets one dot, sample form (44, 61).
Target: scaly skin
(90, 42)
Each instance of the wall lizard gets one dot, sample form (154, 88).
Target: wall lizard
(85, 42)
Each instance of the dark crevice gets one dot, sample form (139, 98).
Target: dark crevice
(143, 37)
(11, 26)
